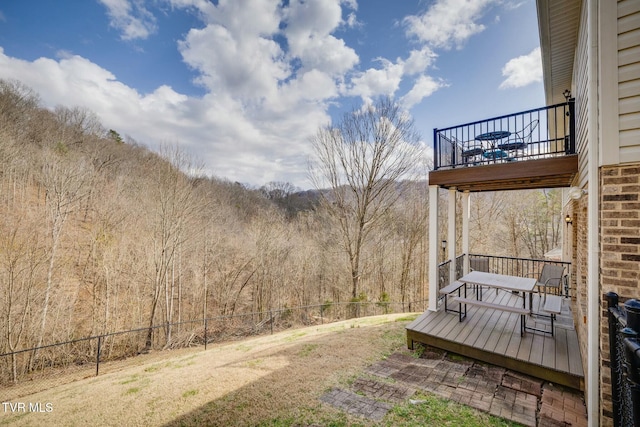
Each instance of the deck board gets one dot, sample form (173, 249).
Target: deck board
(493, 336)
(575, 365)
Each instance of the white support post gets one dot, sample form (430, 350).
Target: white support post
(433, 247)
(466, 215)
(451, 235)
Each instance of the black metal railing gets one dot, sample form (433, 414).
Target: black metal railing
(534, 134)
(31, 370)
(512, 266)
(624, 349)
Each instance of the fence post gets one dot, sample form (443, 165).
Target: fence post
(632, 349)
(98, 355)
(633, 314)
(271, 316)
(615, 357)
(321, 315)
(205, 334)
(632, 365)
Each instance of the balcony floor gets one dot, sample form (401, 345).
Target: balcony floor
(493, 336)
(525, 174)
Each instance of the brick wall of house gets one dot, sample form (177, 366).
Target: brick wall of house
(620, 255)
(577, 239)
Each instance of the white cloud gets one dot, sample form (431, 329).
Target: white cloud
(264, 97)
(244, 67)
(523, 70)
(131, 18)
(386, 80)
(448, 23)
(308, 33)
(419, 60)
(424, 87)
(378, 81)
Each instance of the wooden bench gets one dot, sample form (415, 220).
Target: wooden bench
(553, 304)
(522, 311)
(451, 288)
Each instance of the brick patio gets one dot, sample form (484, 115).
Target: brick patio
(498, 391)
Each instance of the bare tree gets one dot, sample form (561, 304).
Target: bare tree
(173, 207)
(362, 160)
(64, 181)
(542, 221)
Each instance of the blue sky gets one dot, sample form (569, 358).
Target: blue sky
(242, 85)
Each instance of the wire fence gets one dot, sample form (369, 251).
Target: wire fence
(624, 350)
(31, 370)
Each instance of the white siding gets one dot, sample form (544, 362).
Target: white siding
(581, 86)
(629, 79)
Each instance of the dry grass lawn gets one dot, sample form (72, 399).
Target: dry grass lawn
(274, 379)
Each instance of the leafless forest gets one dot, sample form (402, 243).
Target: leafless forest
(100, 234)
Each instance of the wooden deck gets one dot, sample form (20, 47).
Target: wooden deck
(493, 336)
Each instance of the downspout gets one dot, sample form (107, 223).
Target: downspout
(593, 224)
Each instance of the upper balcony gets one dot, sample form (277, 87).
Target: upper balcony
(530, 149)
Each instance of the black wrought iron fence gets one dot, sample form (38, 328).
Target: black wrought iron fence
(624, 349)
(27, 371)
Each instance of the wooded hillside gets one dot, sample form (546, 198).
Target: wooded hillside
(100, 234)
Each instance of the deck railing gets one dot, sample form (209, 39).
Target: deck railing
(624, 349)
(512, 266)
(534, 134)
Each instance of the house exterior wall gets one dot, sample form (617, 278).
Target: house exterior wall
(620, 259)
(619, 176)
(617, 139)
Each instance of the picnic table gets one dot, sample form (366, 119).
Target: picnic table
(505, 282)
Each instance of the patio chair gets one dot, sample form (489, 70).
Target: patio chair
(549, 283)
(471, 150)
(479, 264)
(519, 140)
(550, 280)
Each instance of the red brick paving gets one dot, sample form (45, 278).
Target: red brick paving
(513, 396)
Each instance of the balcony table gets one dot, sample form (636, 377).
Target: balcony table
(493, 153)
(493, 136)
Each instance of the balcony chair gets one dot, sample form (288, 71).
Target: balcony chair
(550, 280)
(520, 139)
(471, 151)
(479, 264)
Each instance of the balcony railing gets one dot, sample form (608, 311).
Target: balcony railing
(534, 134)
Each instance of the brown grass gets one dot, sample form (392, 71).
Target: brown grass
(242, 383)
